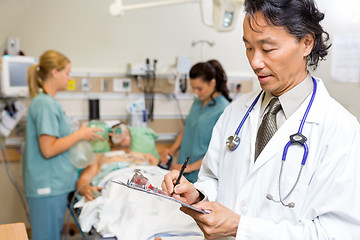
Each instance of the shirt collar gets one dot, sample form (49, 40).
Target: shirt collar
(292, 99)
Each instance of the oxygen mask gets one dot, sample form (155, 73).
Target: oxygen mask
(118, 133)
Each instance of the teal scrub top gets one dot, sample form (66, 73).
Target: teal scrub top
(53, 176)
(143, 140)
(198, 129)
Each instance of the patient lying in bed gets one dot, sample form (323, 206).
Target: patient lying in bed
(129, 214)
(104, 164)
(118, 211)
(137, 145)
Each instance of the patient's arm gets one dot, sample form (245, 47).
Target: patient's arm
(152, 159)
(83, 185)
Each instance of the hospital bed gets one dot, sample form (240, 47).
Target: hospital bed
(123, 213)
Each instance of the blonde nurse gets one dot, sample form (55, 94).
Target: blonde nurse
(48, 174)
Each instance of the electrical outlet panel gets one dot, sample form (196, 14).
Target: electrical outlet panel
(85, 84)
(122, 85)
(234, 86)
(105, 84)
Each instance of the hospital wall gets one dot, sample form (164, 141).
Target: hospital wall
(100, 44)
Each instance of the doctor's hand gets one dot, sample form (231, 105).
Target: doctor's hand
(184, 191)
(221, 222)
(88, 133)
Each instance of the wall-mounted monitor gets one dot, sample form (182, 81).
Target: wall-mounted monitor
(13, 82)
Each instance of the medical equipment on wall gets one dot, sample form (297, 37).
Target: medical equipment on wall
(224, 12)
(13, 75)
(11, 115)
(137, 113)
(233, 142)
(94, 109)
(149, 85)
(182, 68)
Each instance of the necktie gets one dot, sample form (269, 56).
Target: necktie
(268, 126)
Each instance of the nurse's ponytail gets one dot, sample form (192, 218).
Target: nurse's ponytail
(37, 74)
(221, 79)
(34, 83)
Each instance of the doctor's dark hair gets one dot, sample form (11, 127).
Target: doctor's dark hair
(38, 73)
(208, 71)
(299, 18)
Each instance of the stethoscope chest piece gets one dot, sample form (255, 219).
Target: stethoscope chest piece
(233, 142)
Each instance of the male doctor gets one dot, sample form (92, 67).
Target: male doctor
(246, 189)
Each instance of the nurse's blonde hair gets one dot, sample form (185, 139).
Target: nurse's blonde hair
(38, 73)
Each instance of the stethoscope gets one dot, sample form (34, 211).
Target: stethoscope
(233, 142)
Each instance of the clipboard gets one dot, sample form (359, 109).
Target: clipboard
(146, 190)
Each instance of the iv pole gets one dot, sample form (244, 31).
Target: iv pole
(203, 43)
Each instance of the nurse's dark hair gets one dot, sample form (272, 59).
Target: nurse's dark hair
(208, 71)
(38, 73)
(299, 18)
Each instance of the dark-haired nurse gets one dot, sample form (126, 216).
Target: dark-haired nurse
(208, 81)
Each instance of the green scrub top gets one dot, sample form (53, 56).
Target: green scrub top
(53, 176)
(198, 129)
(143, 140)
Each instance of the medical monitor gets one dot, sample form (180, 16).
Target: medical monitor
(13, 82)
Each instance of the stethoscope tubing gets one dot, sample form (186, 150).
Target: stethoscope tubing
(297, 138)
(309, 106)
(305, 146)
(306, 152)
(247, 113)
(302, 142)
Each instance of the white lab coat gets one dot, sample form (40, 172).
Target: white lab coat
(327, 197)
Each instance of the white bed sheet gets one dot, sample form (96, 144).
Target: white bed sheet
(129, 214)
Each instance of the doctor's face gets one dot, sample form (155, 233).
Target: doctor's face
(276, 56)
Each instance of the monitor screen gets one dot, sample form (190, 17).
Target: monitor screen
(14, 75)
(17, 73)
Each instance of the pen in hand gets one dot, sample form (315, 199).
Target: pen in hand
(180, 175)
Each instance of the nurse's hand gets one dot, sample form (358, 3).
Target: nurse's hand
(164, 156)
(88, 192)
(87, 133)
(184, 191)
(221, 222)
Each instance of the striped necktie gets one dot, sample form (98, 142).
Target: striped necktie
(268, 126)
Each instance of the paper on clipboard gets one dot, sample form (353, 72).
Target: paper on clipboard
(129, 185)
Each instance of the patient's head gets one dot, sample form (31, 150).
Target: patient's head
(120, 136)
